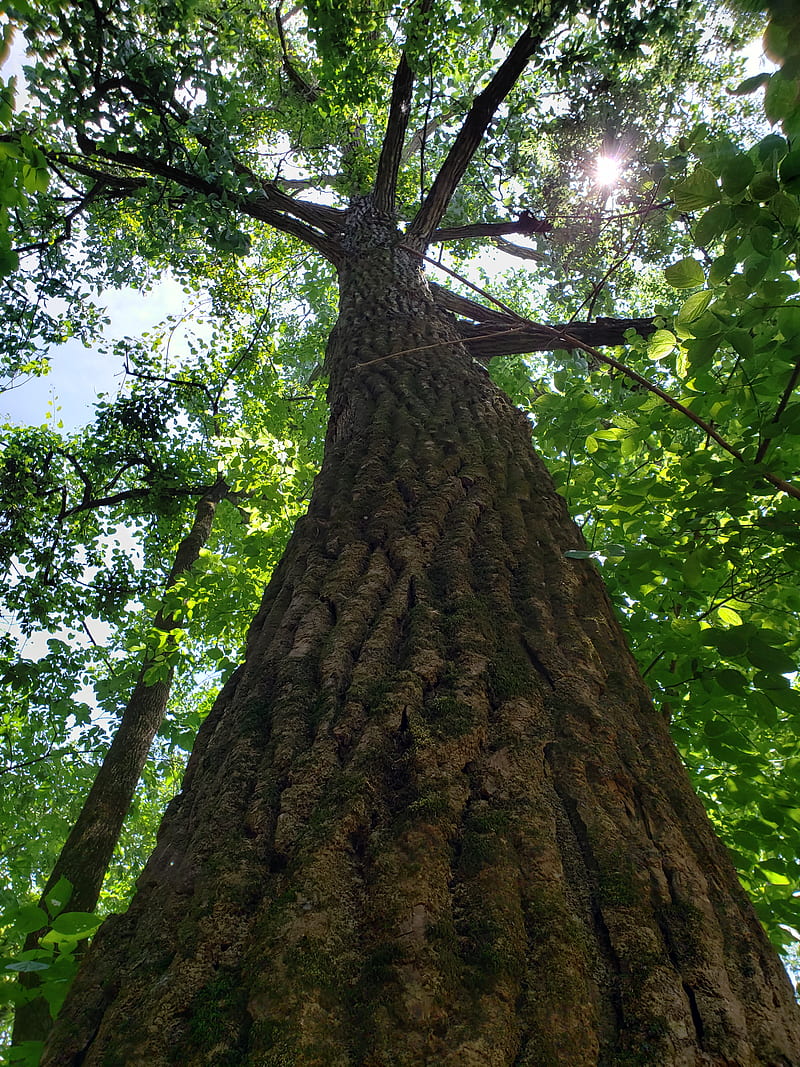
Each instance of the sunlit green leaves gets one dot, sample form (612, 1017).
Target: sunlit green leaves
(661, 344)
(699, 190)
(71, 926)
(685, 274)
(694, 307)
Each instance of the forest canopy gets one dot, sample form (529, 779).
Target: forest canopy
(645, 316)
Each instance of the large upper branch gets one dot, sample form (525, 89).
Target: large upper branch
(396, 126)
(311, 223)
(394, 138)
(492, 332)
(525, 224)
(469, 309)
(484, 341)
(468, 139)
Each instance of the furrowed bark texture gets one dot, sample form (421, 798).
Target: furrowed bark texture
(434, 819)
(87, 852)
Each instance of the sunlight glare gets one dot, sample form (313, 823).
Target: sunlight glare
(606, 170)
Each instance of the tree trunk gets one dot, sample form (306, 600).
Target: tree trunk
(87, 852)
(434, 818)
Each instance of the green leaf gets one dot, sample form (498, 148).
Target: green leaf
(700, 350)
(774, 877)
(693, 307)
(75, 924)
(772, 147)
(706, 325)
(731, 681)
(729, 616)
(58, 897)
(613, 550)
(749, 85)
(785, 208)
(685, 274)
(693, 569)
(737, 174)
(768, 658)
(741, 341)
(780, 98)
(721, 268)
(789, 320)
(629, 445)
(714, 222)
(28, 919)
(660, 344)
(776, 40)
(732, 642)
(761, 240)
(787, 700)
(698, 190)
(764, 186)
(717, 728)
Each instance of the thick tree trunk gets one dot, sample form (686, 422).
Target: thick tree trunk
(434, 818)
(87, 852)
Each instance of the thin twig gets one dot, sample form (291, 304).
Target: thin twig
(437, 344)
(29, 762)
(784, 400)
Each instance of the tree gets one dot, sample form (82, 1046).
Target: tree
(434, 817)
(62, 500)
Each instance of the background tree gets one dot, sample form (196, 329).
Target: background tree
(70, 506)
(130, 168)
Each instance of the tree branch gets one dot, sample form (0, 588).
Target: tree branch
(134, 494)
(29, 762)
(520, 251)
(486, 341)
(784, 400)
(468, 139)
(417, 139)
(525, 224)
(470, 309)
(385, 188)
(306, 91)
(268, 207)
(84, 477)
(66, 233)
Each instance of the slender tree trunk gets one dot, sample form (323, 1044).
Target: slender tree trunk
(434, 819)
(87, 852)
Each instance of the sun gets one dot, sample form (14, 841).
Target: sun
(607, 170)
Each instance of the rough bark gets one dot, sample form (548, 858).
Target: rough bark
(434, 819)
(87, 852)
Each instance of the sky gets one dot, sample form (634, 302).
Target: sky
(79, 374)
